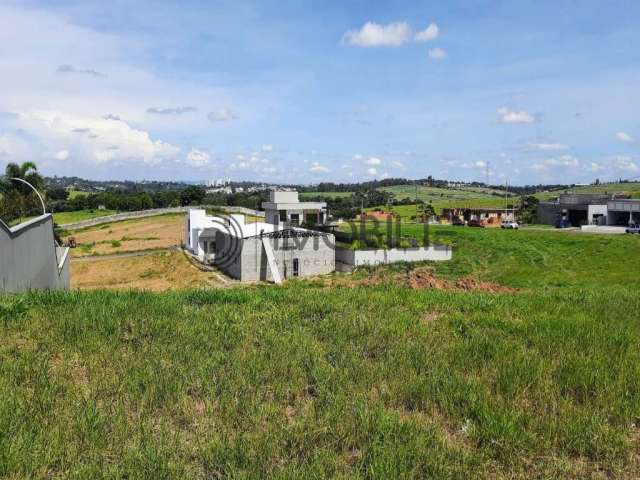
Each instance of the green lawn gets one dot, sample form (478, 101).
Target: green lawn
(449, 197)
(62, 218)
(78, 193)
(307, 380)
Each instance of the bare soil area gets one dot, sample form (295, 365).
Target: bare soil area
(156, 272)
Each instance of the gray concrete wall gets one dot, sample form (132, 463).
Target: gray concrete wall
(548, 212)
(437, 253)
(156, 211)
(248, 262)
(30, 259)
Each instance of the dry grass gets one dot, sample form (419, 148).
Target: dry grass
(163, 231)
(156, 272)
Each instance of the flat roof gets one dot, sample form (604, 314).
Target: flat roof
(294, 206)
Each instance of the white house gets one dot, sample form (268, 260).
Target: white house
(200, 231)
(284, 208)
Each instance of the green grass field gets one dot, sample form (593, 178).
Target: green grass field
(62, 218)
(78, 193)
(449, 198)
(312, 381)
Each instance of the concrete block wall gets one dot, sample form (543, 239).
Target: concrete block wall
(248, 262)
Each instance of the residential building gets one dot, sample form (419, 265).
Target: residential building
(579, 209)
(258, 250)
(284, 208)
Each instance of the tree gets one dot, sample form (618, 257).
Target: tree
(19, 199)
(57, 193)
(192, 196)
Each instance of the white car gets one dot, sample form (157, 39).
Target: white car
(510, 224)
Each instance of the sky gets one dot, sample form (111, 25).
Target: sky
(517, 92)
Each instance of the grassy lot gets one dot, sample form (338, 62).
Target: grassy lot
(62, 218)
(160, 231)
(532, 258)
(359, 380)
(448, 197)
(157, 272)
(78, 193)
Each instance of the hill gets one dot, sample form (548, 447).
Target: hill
(629, 188)
(471, 197)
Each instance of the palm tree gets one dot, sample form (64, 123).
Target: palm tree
(18, 197)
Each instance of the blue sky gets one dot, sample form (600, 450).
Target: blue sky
(302, 92)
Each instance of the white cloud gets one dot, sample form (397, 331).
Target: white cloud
(399, 164)
(317, 168)
(171, 110)
(429, 33)
(547, 146)
(81, 71)
(511, 116)
(373, 161)
(626, 164)
(562, 161)
(222, 115)
(376, 35)
(62, 155)
(267, 148)
(624, 137)
(437, 53)
(110, 143)
(372, 171)
(596, 167)
(357, 157)
(198, 158)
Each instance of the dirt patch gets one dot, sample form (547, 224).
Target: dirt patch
(163, 231)
(417, 279)
(157, 272)
(422, 278)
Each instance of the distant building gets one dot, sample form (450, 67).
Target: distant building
(486, 216)
(579, 209)
(284, 208)
(379, 215)
(30, 258)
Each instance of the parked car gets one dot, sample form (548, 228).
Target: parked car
(633, 228)
(510, 225)
(563, 223)
(456, 221)
(475, 223)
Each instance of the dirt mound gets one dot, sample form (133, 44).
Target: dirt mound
(421, 279)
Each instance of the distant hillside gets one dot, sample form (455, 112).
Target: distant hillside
(469, 197)
(630, 188)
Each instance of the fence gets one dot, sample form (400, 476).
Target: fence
(153, 212)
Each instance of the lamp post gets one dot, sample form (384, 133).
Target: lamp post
(44, 210)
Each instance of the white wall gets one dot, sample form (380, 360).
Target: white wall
(376, 257)
(596, 210)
